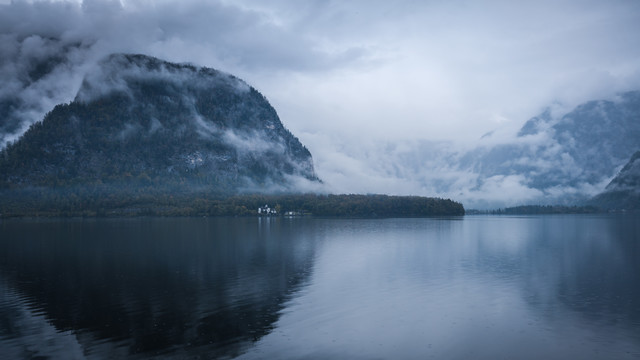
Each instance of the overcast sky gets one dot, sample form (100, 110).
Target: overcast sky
(346, 75)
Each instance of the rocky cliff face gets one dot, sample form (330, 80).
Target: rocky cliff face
(141, 120)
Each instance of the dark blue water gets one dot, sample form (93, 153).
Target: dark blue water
(481, 287)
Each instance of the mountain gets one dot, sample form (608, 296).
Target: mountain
(564, 158)
(140, 121)
(623, 192)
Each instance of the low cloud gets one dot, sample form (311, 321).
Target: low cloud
(46, 48)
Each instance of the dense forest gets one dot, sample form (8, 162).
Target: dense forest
(84, 201)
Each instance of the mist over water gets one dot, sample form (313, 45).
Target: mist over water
(486, 287)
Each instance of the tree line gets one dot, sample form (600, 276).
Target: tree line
(84, 201)
(538, 210)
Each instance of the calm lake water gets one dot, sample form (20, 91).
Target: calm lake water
(478, 287)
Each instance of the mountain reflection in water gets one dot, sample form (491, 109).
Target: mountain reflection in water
(120, 288)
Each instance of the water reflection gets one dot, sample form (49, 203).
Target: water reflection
(120, 288)
(485, 287)
(552, 287)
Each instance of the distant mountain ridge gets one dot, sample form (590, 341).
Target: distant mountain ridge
(598, 136)
(143, 121)
(565, 158)
(559, 157)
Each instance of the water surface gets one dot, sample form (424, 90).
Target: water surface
(482, 287)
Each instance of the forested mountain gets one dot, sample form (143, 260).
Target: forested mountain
(623, 192)
(140, 121)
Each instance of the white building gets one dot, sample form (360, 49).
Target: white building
(266, 210)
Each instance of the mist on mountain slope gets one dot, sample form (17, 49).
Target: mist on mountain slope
(140, 121)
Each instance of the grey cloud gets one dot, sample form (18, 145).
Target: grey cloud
(47, 47)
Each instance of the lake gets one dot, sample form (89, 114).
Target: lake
(474, 287)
